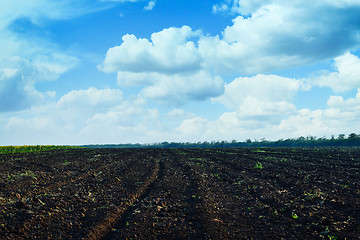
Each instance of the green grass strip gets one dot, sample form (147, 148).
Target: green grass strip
(32, 148)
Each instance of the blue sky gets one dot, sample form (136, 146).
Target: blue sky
(140, 71)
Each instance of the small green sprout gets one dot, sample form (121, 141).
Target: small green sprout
(314, 194)
(258, 165)
(294, 215)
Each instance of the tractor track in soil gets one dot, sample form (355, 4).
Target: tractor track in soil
(172, 197)
(108, 194)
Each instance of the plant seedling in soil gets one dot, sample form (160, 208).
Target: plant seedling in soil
(28, 173)
(294, 215)
(258, 165)
(196, 197)
(313, 194)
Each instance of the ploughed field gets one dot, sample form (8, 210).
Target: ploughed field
(277, 193)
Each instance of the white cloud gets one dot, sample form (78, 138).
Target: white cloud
(340, 117)
(91, 97)
(150, 6)
(346, 75)
(36, 10)
(253, 108)
(15, 93)
(82, 116)
(108, 118)
(178, 88)
(244, 7)
(174, 89)
(280, 34)
(53, 65)
(32, 60)
(194, 127)
(343, 3)
(351, 105)
(248, 7)
(263, 87)
(125, 78)
(169, 51)
(78, 106)
(169, 67)
(276, 35)
(19, 75)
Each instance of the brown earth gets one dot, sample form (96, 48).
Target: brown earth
(181, 194)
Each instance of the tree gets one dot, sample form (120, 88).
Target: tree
(353, 136)
(341, 136)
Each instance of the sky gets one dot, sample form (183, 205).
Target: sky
(139, 71)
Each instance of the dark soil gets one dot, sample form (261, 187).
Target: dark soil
(301, 193)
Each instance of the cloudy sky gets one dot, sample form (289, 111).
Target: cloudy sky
(140, 71)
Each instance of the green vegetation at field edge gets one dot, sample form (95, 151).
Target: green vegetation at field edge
(32, 148)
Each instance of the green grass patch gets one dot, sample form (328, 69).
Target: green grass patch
(32, 148)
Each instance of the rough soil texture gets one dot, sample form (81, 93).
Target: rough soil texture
(181, 194)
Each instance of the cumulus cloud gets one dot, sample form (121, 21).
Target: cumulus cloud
(112, 119)
(169, 66)
(85, 116)
(63, 121)
(259, 104)
(91, 97)
(253, 108)
(346, 76)
(339, 117)
(274, 35)
(263, 87)
(174, 88)
(349, 106)
(169, 51)
(193, 127)
(288, 31)
(270, 35)
(78, 106)
(178, 88)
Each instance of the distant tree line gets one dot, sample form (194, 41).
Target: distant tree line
(341, 141)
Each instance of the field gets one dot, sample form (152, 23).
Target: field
(234, 193)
